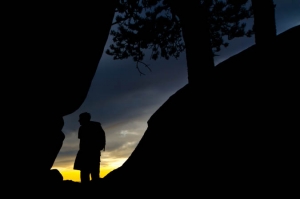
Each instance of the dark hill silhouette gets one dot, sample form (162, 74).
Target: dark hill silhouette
(233, 135)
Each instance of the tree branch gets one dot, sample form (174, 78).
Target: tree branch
(121, 20)
(146, 65)
(137, 66)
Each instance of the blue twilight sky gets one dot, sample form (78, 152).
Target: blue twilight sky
(123, 101)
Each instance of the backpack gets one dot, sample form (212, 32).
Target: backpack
(94, 133)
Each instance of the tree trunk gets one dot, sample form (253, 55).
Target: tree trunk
(196, 35)
(264, 21)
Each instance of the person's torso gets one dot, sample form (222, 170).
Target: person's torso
(90, 136)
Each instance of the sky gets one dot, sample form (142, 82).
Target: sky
(122, 100)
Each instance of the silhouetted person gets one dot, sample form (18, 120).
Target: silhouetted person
(92, 141)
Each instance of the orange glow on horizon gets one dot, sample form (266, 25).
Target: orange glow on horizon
(74, 175)
(106, 166)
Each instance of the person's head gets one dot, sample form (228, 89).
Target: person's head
(84, 118)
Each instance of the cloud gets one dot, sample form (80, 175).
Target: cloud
(119, 149)
(71, 142)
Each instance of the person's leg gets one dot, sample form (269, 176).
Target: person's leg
(95, 173)
(84, 176)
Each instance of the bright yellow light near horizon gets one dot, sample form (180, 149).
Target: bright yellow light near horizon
(74, 175)
(69, 174)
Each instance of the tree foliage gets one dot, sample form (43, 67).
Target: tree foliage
(151, 25)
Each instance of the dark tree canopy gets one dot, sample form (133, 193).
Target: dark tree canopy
(153, 25)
